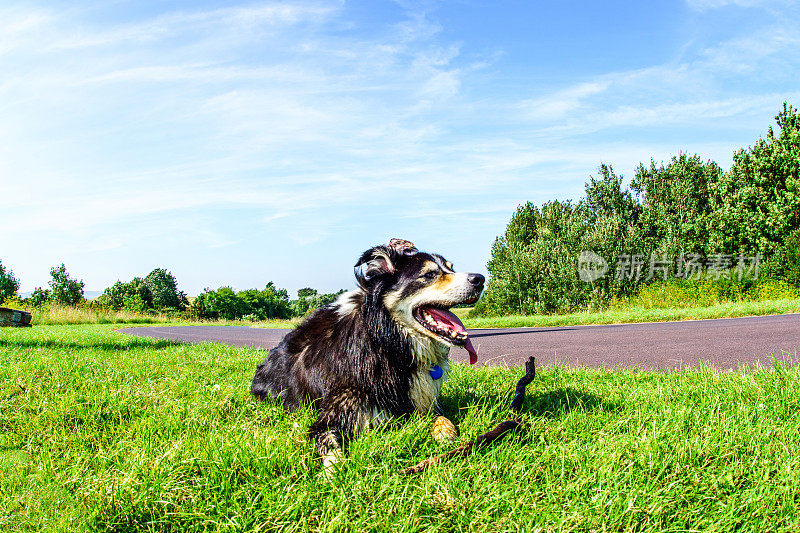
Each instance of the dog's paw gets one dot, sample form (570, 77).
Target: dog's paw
(443, 430)
(331, 462)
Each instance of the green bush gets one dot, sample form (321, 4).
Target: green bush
(791, 257)
(531, 265)
(156, 292)
(533, 268)
(63, 288)
(756, 204)
(40, 296)
(222, 303)
(309, 299)
(9, 285)
(676, 208)
(785, 264)
(132, 295)
(163, 288)
(227, 304)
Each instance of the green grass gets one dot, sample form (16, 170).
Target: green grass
(105, 432)
(641, 314)
(58, 314)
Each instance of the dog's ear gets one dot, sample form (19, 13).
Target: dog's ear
(380, 260)
(403, 247)
(374, 263)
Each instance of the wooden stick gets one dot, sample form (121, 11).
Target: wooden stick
(502, 429)
(497, 433)
(530, 373)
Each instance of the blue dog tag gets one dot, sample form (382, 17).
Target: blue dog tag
(436, 372)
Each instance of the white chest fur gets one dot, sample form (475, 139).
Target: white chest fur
(424, 389)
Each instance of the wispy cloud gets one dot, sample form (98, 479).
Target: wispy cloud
(705, 85)
(703, 5)
(562, 102)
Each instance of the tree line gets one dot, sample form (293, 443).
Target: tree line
(158, 292)
(672, 214)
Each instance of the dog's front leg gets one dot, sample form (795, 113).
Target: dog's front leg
(443, 429)
(342, 413)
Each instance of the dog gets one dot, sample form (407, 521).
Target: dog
(379, 352)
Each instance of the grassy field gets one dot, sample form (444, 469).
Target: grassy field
(57, 314)
(104, 432)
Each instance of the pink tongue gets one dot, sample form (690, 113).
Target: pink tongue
(445, 316)
(473, 355)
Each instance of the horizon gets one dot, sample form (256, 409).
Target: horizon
(241, 143)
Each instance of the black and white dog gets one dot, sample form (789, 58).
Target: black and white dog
(378, 352)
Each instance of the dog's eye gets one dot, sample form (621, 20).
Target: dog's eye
(430, 274)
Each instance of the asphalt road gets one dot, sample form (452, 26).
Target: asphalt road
(724, 343)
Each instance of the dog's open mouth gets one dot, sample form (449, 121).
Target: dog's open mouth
(447, 326)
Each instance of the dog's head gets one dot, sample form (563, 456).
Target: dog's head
(418, 289)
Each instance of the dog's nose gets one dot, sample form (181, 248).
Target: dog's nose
(476, 279)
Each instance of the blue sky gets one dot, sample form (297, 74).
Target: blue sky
(237, 143)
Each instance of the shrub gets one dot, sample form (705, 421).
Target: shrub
(676, 209)
(164, 293)
(756, 205)
(222, 303)
(64, 289)
(226, 303)
(40, 296)
(310, 299)
(156, 292)
(132, 295)
(534, 265)
(791, 257)
(9, 285)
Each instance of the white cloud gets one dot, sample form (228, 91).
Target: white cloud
(233, 20)
(702, 5)
(713, 83)
(560, 103)
(701, 113)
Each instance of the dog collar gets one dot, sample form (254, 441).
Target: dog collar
(436, 372)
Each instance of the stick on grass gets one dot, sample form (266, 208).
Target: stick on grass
(500, 431)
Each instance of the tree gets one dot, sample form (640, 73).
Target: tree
(9, 285)
(791, 257)
(164, 291)
(310, 299)
(156, 291)
(676, 210)
(133, 295)
(757, 202)
(306, 292)
(686, 207)
(222, 303)
(785, 264)
(605, 197)
(505, 288)
(226, 303)
(63, 288)
(534, 265)
(40, 296)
